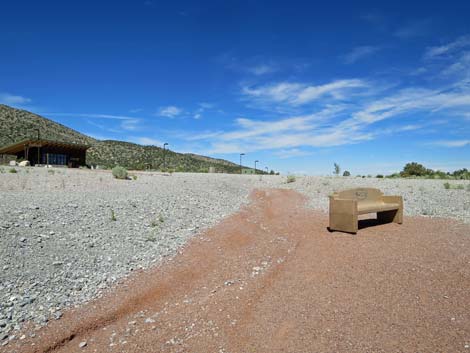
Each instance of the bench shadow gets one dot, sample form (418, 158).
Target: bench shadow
(370, 222)
(364, 223)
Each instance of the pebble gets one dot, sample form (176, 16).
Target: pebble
(82, 344)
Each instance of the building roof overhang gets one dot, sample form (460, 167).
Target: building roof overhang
(20, 146)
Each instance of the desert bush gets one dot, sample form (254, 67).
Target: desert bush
(415, 169)
(134, 177)
(346, 173)
(379, 176)
(113, 216)
(13, 171)
(394, 175)
(290, 178)
(447, 185)
(119, 172)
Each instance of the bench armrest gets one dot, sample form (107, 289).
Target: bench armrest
(343, 206)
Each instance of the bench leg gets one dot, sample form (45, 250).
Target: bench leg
(343, 222)
(395, 216)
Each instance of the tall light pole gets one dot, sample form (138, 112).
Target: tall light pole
(255, 165)
(164, 155)
(241, 154)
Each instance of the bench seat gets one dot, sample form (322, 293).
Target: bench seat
(376, 207)
(345, 206)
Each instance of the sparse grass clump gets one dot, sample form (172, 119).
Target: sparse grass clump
(13, 171)
(290, 178)
(119, 172)
(158, 221)
(134, 177)
(449, 186)
(113, 216)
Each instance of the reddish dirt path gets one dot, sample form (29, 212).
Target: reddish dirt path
(273, 279)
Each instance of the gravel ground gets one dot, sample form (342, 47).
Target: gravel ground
(65, 235)
(271, 278)
(422, 197)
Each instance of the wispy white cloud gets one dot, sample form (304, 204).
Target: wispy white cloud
(11, 99)
(148, 141)
(298, 93)
(290, 153)
(416, 28)
(354, 110)
(262, 69)
(130, 124)
(459, 43)
(359, 53)
(93, 116)
(450, 143)
(170, 111)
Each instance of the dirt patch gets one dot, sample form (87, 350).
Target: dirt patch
(272, 279)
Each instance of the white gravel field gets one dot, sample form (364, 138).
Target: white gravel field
(66, 234)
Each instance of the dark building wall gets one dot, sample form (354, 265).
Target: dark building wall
(73, 157)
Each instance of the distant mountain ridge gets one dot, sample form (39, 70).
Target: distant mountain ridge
(17, 125)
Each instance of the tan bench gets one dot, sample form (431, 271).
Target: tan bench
(346, 205)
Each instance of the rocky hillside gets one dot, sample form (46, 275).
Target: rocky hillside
(17, 125)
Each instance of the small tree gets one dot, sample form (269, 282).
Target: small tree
(415, 169)
(337, 169)
(346, 173)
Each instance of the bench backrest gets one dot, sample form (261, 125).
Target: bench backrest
(362, 195)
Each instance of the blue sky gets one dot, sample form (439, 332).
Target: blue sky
(295, 85)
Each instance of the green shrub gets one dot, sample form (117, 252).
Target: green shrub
(119, 172)
(290, 178)
(346, 173)
(113, 216)
(415, 169)
(13, 171)
(134, 177)
(447, 185)
(379, 176)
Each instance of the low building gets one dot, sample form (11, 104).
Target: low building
(248, 171)
(48, 152)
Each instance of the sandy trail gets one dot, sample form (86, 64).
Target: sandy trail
(271, 278)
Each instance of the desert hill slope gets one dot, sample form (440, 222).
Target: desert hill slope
(17, 125)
